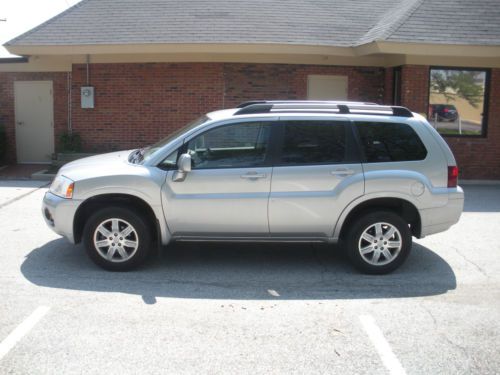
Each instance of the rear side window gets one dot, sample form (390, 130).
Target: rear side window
(387, 141)
(313, 142)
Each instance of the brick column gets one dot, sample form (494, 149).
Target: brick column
(388, 86)
(415, 87)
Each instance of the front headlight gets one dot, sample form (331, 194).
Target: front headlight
(62, 187)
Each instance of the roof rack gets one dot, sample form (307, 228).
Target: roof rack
(341, 107)
(332, 102)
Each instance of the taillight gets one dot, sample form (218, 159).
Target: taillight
(452, 176)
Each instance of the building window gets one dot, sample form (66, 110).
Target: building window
(458, 101)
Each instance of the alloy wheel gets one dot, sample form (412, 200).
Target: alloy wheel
(116, 240)
(380, 244)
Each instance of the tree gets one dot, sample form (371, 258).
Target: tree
(461, 84)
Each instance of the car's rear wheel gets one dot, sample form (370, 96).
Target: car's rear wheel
(379, 242)
(117, 238)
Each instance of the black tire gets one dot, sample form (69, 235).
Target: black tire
(142, 234)
(352, 242)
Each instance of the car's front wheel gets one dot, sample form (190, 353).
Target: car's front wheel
(117, 238)
(379, 242)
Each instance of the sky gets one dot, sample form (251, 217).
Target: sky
(23, 15)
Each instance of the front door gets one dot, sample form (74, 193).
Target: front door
(227, 191)
(316, 175)
(34, 121)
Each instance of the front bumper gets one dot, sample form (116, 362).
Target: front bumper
(59, 214)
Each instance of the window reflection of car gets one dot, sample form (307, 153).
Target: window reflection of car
(444, 112)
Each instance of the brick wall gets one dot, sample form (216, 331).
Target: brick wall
(137, 104)
(264, 81)
(258, 81)
(7, 109)
(415, 87)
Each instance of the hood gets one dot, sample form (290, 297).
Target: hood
(99, 165)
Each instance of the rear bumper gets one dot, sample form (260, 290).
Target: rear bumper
(59, 214)
(439, 219)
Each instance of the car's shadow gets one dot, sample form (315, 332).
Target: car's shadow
(240, 271)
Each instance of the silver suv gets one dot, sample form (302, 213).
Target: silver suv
(365, 175)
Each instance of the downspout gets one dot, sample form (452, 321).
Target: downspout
(70, 125)
(223, 86)
(88, 75)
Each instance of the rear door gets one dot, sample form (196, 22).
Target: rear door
(317, 173)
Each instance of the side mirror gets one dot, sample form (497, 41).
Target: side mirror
(184, 163)
(183, 167)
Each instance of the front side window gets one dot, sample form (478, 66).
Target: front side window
(457, 100)
(146, 153)
(390, 142)
(241, 145)
(313, 142)
(170, 162)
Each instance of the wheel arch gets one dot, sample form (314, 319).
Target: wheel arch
(403, 207)
(91, 204)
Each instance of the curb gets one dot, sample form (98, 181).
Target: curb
(43, 176)
(480, 182)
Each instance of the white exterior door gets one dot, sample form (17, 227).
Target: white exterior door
(34, 111)
(325, 87)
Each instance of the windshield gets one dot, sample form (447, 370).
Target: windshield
(143, 154)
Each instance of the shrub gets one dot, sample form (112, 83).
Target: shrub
(3, 143)
(70, 142)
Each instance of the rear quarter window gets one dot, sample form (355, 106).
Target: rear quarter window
(390, 142)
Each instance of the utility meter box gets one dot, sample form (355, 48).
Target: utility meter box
(87, 95)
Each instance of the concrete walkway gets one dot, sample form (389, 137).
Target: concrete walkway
(20, 171)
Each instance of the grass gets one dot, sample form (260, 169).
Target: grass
(455, 132)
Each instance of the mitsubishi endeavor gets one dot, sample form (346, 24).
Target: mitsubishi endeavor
(368, 176)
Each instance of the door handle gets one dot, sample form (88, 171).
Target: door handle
(20, 123)
(342, 172)
(252, 175)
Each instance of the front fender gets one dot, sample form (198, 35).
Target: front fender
(147, 188)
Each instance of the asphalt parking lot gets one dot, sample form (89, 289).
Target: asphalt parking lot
(284, 309)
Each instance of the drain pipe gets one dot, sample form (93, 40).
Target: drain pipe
(88, 75)
(70, 125)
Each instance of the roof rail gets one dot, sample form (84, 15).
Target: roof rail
(332, 102)
(251, 102)
(321, 107)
